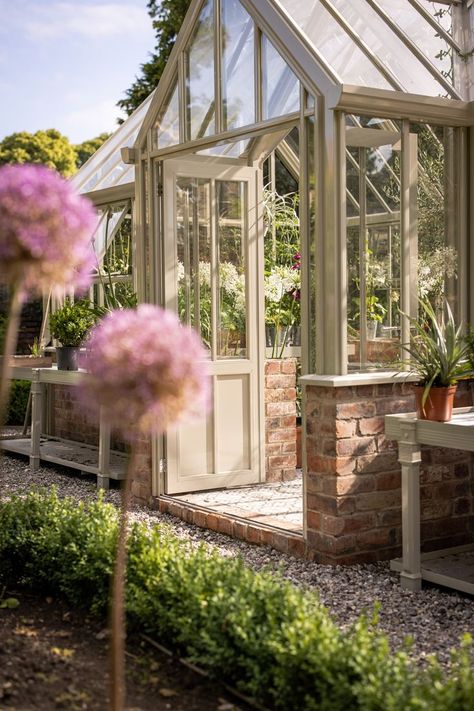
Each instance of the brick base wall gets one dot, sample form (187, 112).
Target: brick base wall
(354, 478)
(69, 421)
(280, 419)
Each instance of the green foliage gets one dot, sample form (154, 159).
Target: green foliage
(167, 17)
(252, 629)
(87, 148)
(72, 321)
(19, 391)
(48, 147)
(59, 546)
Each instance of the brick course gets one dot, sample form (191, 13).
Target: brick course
(280, 419)
(353, 479)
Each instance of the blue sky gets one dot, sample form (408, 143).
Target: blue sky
(65, 63)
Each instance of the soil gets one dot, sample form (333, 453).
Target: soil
(52, 657)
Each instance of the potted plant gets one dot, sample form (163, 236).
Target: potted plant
(438, 354)
(70, 325)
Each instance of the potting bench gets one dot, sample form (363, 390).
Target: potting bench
(99, 460)
(453, 567)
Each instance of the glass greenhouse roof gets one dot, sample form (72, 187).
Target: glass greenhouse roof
(105, 168)
(405, 45)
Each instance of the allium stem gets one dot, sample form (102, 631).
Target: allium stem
(9, 346)
(117, 610)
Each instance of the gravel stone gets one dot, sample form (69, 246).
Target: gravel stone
(433, 618)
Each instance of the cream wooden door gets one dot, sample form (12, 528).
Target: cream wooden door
(212, 248)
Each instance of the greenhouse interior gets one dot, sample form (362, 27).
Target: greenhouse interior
(299, 178)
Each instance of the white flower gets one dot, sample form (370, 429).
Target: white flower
(181, 272)
(433, 270)
(281, 280)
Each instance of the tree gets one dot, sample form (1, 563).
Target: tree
(47, 147)
(87, 148)
(167, 16)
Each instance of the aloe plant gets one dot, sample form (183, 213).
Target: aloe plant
(439, 353)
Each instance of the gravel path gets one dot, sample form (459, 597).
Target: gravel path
(434, 618)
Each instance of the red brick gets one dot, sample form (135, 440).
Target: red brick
(331, 504)
(392, 406)
(288, 474)
(273, 449)
(387, 480)
(435, 509)
(282, 435)
(390, 518)
(288, 365)
(356, 446)
(280, 381)
(225, 525)
(200, 519)
(266, 537)
(348, 411)
(272, 367)
(371, 425)
(288, 421)
(280, 542)
(288, 447)
(296, 546)
(279, 408)
(254, 534)
(380, 462)
(284, 461)
(213, 521)
(345, 428)
(352, 484)
(324, 543)
(378, 500)
(313, 520)
(378, 538)
(339, 525)
(462, 506)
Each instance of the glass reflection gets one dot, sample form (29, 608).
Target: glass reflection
(237, 65)
(281, 88)
(199, 57)
(232, 303)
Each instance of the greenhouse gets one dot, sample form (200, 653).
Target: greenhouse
(298, 179)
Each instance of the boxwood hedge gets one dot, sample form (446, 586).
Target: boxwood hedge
(252, 629)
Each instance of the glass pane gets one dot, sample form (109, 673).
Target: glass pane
(438, 51)
(237, 149)
(372, 29)
(231, 201)
(167, 127)
(334, 45)
(194, 254)
(373, 242)
(438, 231)
(105, 168)
(237, 65)
(281, 88)
(200, 76)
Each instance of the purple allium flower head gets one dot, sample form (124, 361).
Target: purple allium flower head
(146, 370)
(45, 230)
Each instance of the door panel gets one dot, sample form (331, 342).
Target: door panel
(211, 278)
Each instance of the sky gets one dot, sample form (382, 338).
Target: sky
(64, 64)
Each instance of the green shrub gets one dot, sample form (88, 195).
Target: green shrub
(252, 629)
(71, 323)
(19, 391)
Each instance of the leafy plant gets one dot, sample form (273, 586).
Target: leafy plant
(438, 351)
(71, 323)
(19, 392)
(272, 640)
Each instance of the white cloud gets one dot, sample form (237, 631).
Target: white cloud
(60, 19)
(83, 123)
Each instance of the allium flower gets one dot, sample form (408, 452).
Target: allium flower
(146, 370)
(45, 230)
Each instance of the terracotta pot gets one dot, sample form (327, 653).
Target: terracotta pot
(438, 405)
